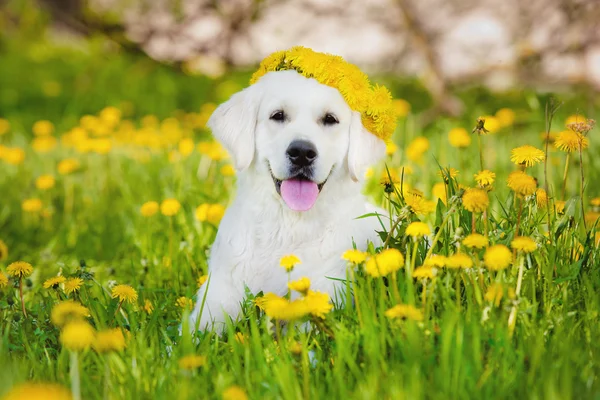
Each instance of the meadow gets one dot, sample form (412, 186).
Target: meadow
(113, 189)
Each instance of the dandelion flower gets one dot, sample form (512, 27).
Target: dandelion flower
(595, 202)
(436, 260)
(3, 280)
(524, 244)
(417, 229)
(184, 302)
(416, 148)
(459, 138)
(4, 126)
(354, 256)
(212, 213)
(560, 206)
(570, 141)
(202, 280)
(77, 336)
(505, 117)
(68, 166)
(54, 282)
(45, 182)
(301, 285)
(459, 260)
(124, 293)
(109, 340)
(32, 205)
(402, 107)
(19, 269)
(475, 200)
(14, 155)
(527, 155)
(36, 391)
(485, 178)
(497, 257)
(384, 263)
(317, 303)
(149, 208)
(192, 362)
(227, 170)
(418, 204)
(424, 273)
(72, 285)
(148, 307)
(43, 128)
(541, 198)
(475, 240)
(282, 309)
(439, 192)
(448, 173)
(186, 147)
(521, 183)
(496, 292)
(170, 207)
(390, 148)
(234, 393)
(3, 250)
(66, 311)
(405, 311)
(288, 262)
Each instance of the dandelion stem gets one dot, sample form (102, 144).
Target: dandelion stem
(74, 373)
(119, 307)
(354, 291)
(564, 186)
(439, 232)
(582, 185)
(21, 294)
(480, 151)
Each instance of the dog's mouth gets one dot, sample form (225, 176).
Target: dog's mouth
(298, 191)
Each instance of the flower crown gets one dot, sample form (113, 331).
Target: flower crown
(373, 102)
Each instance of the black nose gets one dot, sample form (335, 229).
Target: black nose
(301, 153)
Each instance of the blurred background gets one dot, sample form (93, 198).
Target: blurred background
(433, 49)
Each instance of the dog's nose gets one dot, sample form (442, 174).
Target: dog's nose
(302, 153)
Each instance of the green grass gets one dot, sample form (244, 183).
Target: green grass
(463, 347)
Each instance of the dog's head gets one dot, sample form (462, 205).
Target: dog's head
(298, 131)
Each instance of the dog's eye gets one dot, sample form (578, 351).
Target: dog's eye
(329, 119)
(278, 116)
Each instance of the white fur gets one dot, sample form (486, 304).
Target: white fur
(258, 228)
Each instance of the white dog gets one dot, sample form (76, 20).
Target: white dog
(300, 153)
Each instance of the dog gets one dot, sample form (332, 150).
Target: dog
(301, 154)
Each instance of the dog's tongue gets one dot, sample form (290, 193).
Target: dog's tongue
(299, 195)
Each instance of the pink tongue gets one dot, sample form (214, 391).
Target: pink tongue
(299, 195)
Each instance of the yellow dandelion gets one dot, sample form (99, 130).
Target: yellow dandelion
(475, 200)
(448, 173)
(524, 244)
(124, 293)
(288, 262)
(4, 126)
(202, 280)
(355, 256)
(38, 391)
(234, 393)
(436, 260)
(490, 124)
(485, 178)
(43, 144)
(497, 257)
(527, 155)
(301, 285)
(402, 107)
(280, 308)
(560, 206)
(521, 183)
(227, 170)
(384, 263)
(109, 340)
(32, 205)
(405, 311)
(54, 282)
(13, 155)
(541, 198)
(424, 273)
(390, 148)
(459, 138)
(72, 285)
(417, 229)
(149, 208)
(317, 303)
(170, 207)
(459, 260)
(418, 204)
(186, 147)
(439, 192)
(77, 335)
(505, 117)
(19, 269)
(212, 213)
(3, 280)
(66, 311)
(192, 362)
(184, 302)
(591, 217)
(148, 307)
(595, 202)
(416, 148)
(43, 128)
(68, 166)
(570, 141)
(45, 182)
(475, 240)
(3, 250)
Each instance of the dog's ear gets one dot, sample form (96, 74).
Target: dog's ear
(233, 124)
(364, 149)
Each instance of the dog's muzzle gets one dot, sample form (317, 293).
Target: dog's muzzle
(299, 191)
